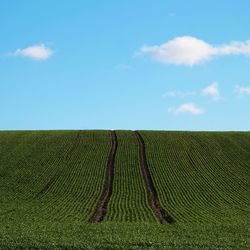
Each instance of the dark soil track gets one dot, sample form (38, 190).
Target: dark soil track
(101, 207)
(159, 212)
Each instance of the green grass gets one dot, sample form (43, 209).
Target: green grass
(202, 180)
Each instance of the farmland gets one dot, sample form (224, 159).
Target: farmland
(53, 183)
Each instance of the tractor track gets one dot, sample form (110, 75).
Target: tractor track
(160, 213)
(101, 207)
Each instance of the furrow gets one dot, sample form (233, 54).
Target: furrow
(101, 207)
(153, 201)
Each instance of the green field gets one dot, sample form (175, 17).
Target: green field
(51, 182)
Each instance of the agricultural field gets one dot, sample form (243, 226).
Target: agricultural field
(124, 190)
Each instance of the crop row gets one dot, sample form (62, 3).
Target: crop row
(234, 183)
(128, 202)
(27, 158)
(59, 176)
(74, 194)
(75, 161)
(195, 180)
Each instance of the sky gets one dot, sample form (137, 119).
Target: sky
(134, 64)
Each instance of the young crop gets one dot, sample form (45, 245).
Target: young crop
(211, 187)
(128, 202)
(52, 181)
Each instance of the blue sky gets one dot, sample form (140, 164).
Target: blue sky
(134, 64)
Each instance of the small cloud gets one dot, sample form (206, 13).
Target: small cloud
(178, 94)
(172, 14)
(242, 90)
(212, 91)
(190, 51)
(35, 52)
(187, 108)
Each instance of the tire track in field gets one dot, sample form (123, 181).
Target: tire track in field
(153, 201)
(101, 207)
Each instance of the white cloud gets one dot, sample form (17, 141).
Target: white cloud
(242, 90)
(189, 51)
(212, 91)
(187, 108)
(36, 52)
(178, 94)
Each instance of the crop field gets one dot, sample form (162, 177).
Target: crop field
(124, 190)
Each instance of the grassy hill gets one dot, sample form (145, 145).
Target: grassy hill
(169, 190)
